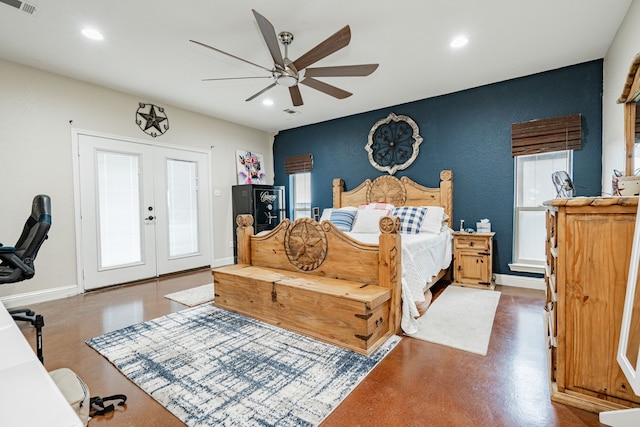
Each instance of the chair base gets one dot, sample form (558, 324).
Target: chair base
(28, 315)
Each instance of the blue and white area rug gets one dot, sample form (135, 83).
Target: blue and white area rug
(209, 366)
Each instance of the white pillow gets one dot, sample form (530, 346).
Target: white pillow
(433, 218)
(383, 206)
(326, 214)
(367, 220)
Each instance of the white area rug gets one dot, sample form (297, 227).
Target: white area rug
(461, 318)
(212, 367)
(194, 296)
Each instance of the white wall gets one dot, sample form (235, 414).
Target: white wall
(37, 112)
(616, 67)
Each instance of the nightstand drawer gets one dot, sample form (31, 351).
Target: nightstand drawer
(471, 242)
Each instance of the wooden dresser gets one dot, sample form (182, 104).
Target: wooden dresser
(588, 248)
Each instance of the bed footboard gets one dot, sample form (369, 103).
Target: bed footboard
(313, 279)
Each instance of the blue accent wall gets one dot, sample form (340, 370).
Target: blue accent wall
(468, 132)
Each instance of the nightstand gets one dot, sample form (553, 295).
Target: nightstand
(473, 260)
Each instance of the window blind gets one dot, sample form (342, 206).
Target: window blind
(298, 164)
(546, 135)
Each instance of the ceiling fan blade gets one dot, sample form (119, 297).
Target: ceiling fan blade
(296, 97)
(332, 44)
(326, 88)
(260, 93)
(228, 54)
(269, 35)
(341, 71)
(236, 78)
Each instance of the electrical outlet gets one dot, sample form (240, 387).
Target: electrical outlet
(230, 243)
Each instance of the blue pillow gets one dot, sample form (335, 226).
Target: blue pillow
(411, 218)
(343, 218)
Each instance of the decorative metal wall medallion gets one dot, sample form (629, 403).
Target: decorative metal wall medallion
(152, 119)
(393, 143)
(305, 243)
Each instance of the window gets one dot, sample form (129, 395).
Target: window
(299, 170)
(533, 186)
(300, 184)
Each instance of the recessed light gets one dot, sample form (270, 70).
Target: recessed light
(267, 102)
(459, 41)
(92, 33)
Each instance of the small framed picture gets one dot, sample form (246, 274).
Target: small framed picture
(249, 166)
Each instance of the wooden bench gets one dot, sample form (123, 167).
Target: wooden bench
(348, 314)
(312, 279)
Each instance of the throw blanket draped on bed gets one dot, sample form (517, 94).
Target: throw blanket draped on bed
(423, 256)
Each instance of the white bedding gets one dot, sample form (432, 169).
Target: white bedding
(423, 256)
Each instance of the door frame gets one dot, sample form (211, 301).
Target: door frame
(75, 152)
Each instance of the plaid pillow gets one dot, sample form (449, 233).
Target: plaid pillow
(411, 218)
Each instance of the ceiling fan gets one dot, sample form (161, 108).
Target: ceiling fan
(290, 73)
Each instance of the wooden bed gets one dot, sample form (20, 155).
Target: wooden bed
(399, 192)
(313, 279)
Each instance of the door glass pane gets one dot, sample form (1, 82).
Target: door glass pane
(182, 207)
(118, 209)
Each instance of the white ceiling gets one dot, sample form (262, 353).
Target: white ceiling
(146, 49)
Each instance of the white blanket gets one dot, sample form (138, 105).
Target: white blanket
(423, 256)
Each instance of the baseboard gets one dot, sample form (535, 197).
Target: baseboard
(222, 261)
(21, 300)
(24, 299)
(520, 281)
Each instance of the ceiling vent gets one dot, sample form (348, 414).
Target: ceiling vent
(31, 9)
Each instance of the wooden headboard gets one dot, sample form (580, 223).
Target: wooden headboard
(400, 192)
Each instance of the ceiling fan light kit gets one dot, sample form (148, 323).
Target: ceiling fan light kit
(290, 74)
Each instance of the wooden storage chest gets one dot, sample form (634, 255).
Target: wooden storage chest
(345, 313)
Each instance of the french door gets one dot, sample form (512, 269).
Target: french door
(144, 210)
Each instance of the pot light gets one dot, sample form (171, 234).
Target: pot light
(459, 41)
(267, 102)
(92, 33)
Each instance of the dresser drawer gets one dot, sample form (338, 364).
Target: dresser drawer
(472, 242)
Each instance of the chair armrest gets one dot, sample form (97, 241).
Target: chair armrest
(12, 261)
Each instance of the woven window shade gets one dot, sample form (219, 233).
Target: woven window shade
(298, 164)
(546, 135)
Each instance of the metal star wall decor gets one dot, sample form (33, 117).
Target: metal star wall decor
(393, 143)
(152, 119)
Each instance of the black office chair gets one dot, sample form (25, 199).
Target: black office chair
(16, 262)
